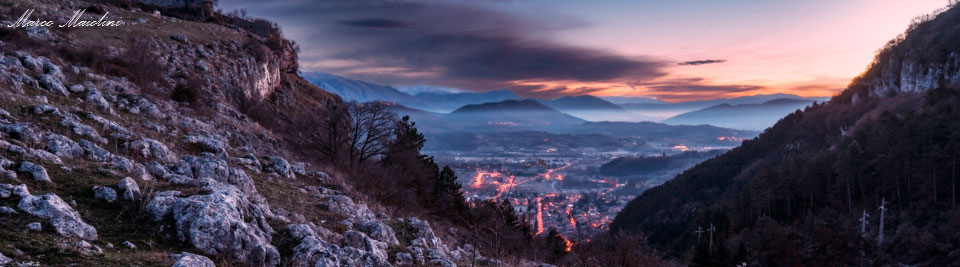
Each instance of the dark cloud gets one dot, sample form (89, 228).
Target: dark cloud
(701, 88)
(376, 23)
(687, 89)
(546, 92)
(449, 43)
(702, 62)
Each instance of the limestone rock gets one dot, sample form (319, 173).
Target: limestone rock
(65, 220)
(4, 260)
(279, 166)
(37, 172)
(62, 146)
(105, 193)
(187, 259)
(378, 231)
(206, 143)
(153, 149)
(161, 203)
(403, 259)
(7, 210)
(215, 224)
(363, 242)
(18, 131)
(129, 188)
(35, 226)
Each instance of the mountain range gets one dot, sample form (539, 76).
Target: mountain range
(427, 98)
(749, 112)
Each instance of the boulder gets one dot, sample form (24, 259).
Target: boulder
(378, 231)
(299, 168)
(248, 161)
(206, 143)
(216, 224)
(116, 130)
(105, 193)
(52, 84)
(18, 131)
(62, 146)
(128, 244)
(45, 110)
(423, 235)
(209, 166)
(161, 203)
(344, 205)
(94, 96)
(363, 242)
(76, 88)
(403, 259)
(32, 63)
(129, 188)
(41, 156)
(81, 129)
(6, 190)
(4, 260)
(314, 251)
(35, 226)
(153, 149)
(279, 166)
(65, 220)
(88, 248)
(187, 259)
(7, 210)
(323, 177)
(37, 172)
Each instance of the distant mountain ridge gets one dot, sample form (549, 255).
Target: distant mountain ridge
(741, 116)
(581, 102)
(357, 90)
(428, 98)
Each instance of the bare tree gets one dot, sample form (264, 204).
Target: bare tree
(334, 132)
(370, 130)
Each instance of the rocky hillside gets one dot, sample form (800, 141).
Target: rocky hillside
(868, 178)
(133, 146)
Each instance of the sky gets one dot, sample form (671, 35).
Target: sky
(678, 50)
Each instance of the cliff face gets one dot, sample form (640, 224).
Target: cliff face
(922, 59)
(132, 146)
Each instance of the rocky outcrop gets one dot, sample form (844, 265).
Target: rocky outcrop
(187, 259)
(159, 206)
(105, 193)
(217, 223)
(906, 74)
(65, 220)
(279, 166)
(153, 149)
(37, 172)
(378, 231)
(314, 251)
(129, 189)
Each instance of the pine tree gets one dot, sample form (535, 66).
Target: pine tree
(407, 141)
(556, 243)
(446, 191)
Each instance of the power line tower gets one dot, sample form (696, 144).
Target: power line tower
(711, 230)
(883, 210)
(698, 231)
(863, 223)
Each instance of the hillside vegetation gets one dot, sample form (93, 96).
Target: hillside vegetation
(796, 194)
